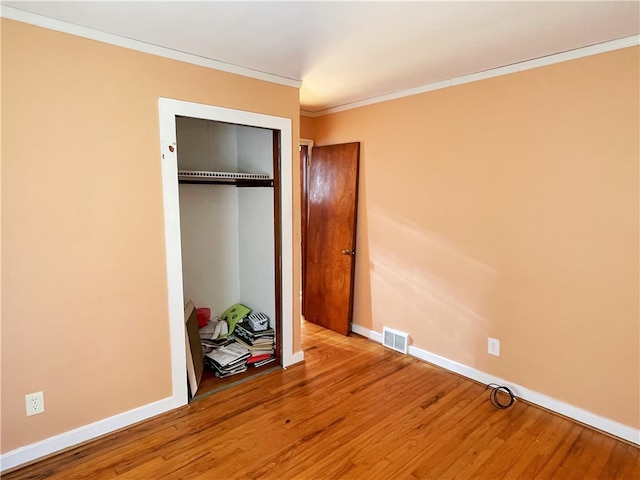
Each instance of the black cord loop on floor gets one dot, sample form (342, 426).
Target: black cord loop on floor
(494, 399)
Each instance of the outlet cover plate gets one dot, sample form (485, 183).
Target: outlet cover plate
(493, 347)
(34, 403)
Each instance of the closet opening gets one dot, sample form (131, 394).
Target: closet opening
(229, 246)
(229, 215)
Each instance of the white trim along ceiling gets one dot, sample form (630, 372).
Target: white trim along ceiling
(347, 54)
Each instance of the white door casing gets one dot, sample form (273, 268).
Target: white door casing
(168, 109)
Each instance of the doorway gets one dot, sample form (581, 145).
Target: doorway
(169, 110)
(329, 182)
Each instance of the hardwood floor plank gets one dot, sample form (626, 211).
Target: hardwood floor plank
(516, 437)
(618, 466)
(363, 416)
(370, 421)
(353, 410)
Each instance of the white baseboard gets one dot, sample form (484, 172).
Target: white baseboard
(32, 452)
(365, 332)
(607, 425)
(294, 358)
(35, 451)
(75, 437)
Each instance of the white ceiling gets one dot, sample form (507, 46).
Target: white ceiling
(345, 52)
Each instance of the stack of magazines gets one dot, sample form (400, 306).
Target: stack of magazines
(260, 344)
(228, 360)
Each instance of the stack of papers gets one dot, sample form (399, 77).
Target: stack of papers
(228, 360)
(236, 340)
(260, 343)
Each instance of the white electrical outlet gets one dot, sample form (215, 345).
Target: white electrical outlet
(494, 347)
(35, 403)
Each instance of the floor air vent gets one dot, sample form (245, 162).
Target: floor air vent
(395, 340)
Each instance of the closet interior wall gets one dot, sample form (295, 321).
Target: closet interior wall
(227, 232)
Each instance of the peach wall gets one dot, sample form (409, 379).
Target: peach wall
(84, 287)
(508, 208)
(306, 127)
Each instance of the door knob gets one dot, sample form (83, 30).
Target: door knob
(346, 251)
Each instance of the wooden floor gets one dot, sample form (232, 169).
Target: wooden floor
(210, 384)
(353, 410)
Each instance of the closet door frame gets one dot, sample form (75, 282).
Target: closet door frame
(168, 110)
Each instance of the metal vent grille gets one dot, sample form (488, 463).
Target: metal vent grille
(398, 341)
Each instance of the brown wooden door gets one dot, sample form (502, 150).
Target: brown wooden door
(330, 235)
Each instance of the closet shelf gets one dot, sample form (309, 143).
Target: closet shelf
(225, 178)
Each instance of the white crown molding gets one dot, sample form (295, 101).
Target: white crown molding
(604, 424)
(494, 72)
(84, 32)
(65, 27)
